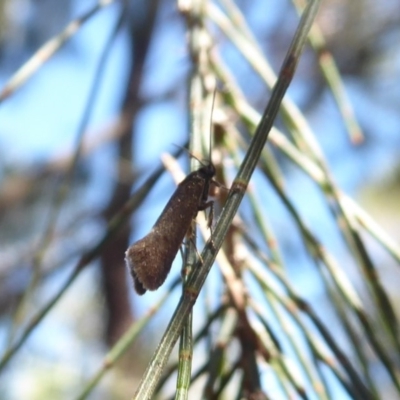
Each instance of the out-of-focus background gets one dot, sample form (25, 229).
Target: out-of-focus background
(118, 88)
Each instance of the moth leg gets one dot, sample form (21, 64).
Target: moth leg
(203, 207)
(210, 218)
(197, 252)
(189, 263)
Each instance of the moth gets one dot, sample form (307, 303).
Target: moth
(149, 259)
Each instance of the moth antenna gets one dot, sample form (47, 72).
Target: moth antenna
(211, 122)
(189, 153)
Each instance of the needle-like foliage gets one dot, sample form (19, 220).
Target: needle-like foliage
(258, 330)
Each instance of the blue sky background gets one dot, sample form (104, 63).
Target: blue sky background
(40, 122)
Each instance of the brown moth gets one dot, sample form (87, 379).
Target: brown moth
(149, 259)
